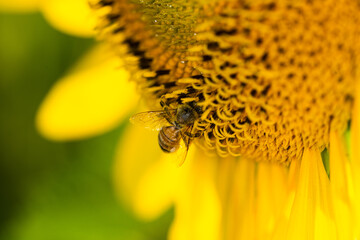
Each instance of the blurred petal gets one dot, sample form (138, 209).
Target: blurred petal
(159, 185)
(70, 16)
(197, 203)
(155, 191)
(137, 151)
(282, 221)
(145, 176)
(312, 213)
(355, 156)
(19, 5)
(271, 197)
(89, 101)
(240, 219)
(355, 126)
(340, 186)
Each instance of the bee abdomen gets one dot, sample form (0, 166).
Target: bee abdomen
(169, 139)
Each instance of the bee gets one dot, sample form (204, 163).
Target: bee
(174, 127)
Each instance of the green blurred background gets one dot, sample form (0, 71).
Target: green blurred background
(53, 191)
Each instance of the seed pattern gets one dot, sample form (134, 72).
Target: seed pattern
(271, 76)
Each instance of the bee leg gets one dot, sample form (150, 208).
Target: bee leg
(162, 103)
(196, 135)
(190, 135)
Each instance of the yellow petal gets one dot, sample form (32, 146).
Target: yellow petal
(312, 215)
(355, 195)
(355, 155)
(155, 191)
(282, 221)
(241, 209)
(226, 173)
(355, 126)
(197, 203)
(87, 102)
(19, 5)
(137, 152)
(144, 176)
(70, 16)
(271, 198)
(340, 186)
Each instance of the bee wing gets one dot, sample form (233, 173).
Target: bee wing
(153, 120)
(181, 153)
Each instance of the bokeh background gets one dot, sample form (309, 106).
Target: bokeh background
(51, 190)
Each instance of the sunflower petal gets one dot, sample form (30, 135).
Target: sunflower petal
(241, 211)
(87, 102)
(19, 5)
(355, 157)
(340, 185)
(197, 205)
(312, 213)
(137, 151)
(355, 125)
(271, 197)
(73, 17)
(146, 177)
(156, 189)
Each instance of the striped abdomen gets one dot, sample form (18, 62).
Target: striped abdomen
(169, 139)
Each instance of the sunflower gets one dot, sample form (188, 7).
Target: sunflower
(273, 150)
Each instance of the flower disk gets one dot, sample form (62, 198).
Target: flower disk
(271, 77)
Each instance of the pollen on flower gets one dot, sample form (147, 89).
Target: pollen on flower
(270, 76)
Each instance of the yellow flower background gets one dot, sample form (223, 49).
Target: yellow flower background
(210, 199)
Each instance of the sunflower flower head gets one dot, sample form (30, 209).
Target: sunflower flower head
(275, 85)
(269, 76)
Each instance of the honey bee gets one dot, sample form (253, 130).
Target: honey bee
(174, 126)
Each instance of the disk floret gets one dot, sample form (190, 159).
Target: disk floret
(271, 77)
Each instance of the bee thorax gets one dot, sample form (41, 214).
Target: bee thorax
(186, 115)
